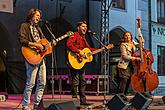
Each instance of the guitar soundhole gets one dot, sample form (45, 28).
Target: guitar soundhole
(36, 50)
(79, 59)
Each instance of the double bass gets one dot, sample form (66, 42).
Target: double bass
(144, 78)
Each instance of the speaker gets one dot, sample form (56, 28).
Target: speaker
(118, 102)
(140, 102)
(52, 104)
(62, 106)
(163, 98)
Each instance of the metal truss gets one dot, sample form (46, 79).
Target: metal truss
(104, 35)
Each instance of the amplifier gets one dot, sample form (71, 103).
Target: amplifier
(97, 84)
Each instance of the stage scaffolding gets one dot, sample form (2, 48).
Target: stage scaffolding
(104, 35)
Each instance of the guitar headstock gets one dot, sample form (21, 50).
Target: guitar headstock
(138, 22)
(69, 33)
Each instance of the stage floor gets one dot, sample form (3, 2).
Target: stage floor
(14, 102)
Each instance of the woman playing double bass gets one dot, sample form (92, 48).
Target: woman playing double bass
(144, 79)
(125, 67)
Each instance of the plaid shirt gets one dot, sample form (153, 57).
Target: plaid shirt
(77, 42)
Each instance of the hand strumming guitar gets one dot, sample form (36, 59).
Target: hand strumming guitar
(82, 54)
(37, 45)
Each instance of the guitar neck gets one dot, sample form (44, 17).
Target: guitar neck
(62, 37)
(97, 51)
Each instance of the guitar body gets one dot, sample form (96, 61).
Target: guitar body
(78, 62)
(33, 55)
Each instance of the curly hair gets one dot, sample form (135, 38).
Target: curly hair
(123, 39)
(31, 14)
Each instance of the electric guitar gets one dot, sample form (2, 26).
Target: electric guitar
(77, 62)
(34, 55)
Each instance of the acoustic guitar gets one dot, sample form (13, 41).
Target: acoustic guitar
(34, 55)
(77, 62)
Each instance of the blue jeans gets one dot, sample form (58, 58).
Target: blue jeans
(34, 72)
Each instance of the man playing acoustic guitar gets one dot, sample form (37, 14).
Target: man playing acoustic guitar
(80, 52)
(30, 35)
(76, 43)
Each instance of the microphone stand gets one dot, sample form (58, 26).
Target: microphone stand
(52, 68)
(93, 35)
(50, 31)
(104, 101)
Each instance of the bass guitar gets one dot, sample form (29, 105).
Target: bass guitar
(77, 62)
(34, 55)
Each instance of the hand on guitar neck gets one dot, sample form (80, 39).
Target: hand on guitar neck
(54, 42)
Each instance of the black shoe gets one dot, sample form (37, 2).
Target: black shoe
(27, 108)
(74, 96)
(85, 103)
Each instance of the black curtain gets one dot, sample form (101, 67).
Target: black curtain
(16, 77)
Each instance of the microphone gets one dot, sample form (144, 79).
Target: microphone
(44, 21)
(92, 33)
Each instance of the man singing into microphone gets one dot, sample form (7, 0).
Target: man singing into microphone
(76, 43)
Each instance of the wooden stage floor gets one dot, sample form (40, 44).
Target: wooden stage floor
(14, 102)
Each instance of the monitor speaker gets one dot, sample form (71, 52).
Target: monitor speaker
(118, 102)
(62, 106)
(52, 104)
(140, 102)
(163, 99)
